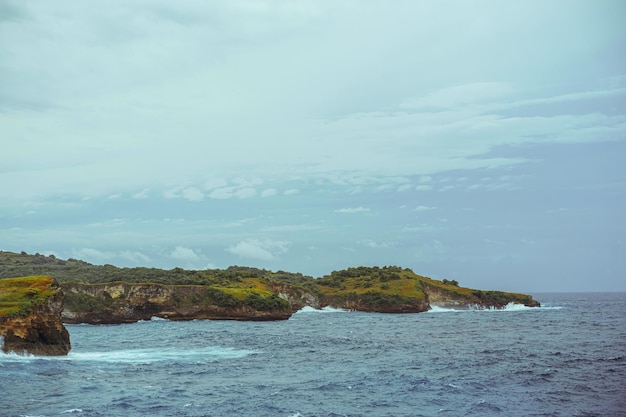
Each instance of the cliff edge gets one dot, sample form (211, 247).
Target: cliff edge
(30, 316)
(123, 302)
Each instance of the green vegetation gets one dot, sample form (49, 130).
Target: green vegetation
(73, 270)
(378, 288)
(499, 298)
(88, 303)
(388, 280)
(18, 296)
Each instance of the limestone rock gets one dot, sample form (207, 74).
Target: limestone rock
(30, 317)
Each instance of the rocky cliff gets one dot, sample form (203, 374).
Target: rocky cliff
(30, 316)
(122, 302)
(454, 297)
(108, 294)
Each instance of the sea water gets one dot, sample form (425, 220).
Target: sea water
(567, 358)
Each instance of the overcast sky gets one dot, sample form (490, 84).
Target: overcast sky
(480, 141)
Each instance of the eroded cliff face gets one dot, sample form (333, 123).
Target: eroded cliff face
(297, 297)
(465, 298)
(39, 331)
(127, 303)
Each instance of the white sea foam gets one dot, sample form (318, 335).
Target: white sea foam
(477, 307)
(140, 356)
(327, 309)
(150, 355)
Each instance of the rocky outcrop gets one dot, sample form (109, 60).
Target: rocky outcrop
(122, 302)
(464, 298)
(296, 296)
(34, 326)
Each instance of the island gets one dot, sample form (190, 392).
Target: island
(81, 292)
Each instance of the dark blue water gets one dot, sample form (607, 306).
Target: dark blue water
(567, 358)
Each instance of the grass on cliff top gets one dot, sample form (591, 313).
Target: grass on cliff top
(395, 281)
(19, 295)
(244, 288)
(388, 280)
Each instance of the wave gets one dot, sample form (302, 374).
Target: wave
(327, 309)
(140, 356)
(477, 307)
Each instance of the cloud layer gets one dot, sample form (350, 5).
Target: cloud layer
(315, 135)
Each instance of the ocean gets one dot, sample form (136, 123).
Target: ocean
(567, 358)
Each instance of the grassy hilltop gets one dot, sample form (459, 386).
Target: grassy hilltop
(19, 295)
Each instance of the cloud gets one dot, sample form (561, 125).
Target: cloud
(181, 253)
(351, 210)
(269, 192)
(225, 193)
(377, 245)
(169, 115)
(290, 228)
(142, 194)
(193, 194)
(136, 258)
(93, 255)
(423, 208)
(423, 187)
(245, 192)
(265, 250)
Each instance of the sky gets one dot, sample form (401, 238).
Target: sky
(479, 141)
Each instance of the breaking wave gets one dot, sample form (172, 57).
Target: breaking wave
(476, 307)
(327, 309)
(141, 356)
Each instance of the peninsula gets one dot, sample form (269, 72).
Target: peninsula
(107, 294)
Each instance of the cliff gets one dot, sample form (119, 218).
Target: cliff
(107, 294)
(395, 290)
(30, 316)
(122, 302)
(452, 296)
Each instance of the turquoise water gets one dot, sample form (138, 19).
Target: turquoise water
(567, 358)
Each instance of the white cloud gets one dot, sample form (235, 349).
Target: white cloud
(269, 192)
(142, 194)
(265, 250)
(136, 258)
(181, 253)
(423, 208)
(170, 194)
(224, 193)
(423, 187)
(245, 193)
(291, 191)
(289, 228)
(92, 255)
(193, 194)
(350, 210)
(377, 245)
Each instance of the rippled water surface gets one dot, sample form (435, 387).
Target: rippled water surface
(567, 358)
